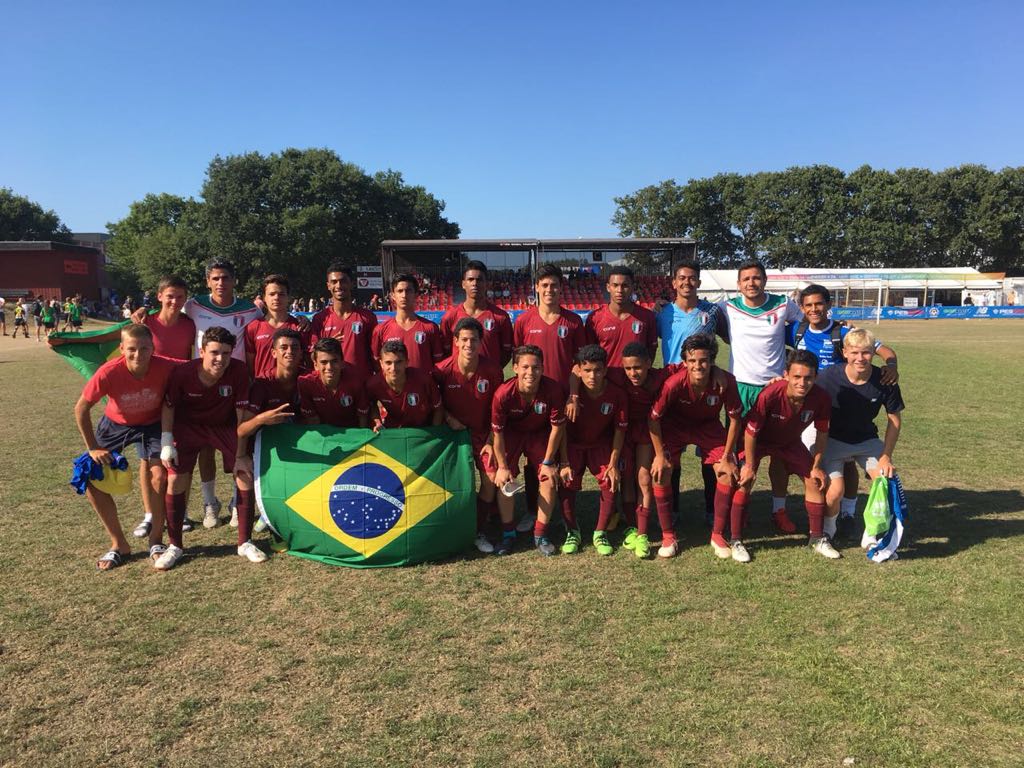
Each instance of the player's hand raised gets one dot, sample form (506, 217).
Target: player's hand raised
(278, 415)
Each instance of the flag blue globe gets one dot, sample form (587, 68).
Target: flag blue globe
(367, 500)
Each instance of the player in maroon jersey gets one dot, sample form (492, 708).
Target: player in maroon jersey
(422, 338)
(497, 325)
(400, 395)
(528, 419)
(593, 441)
(259, 333)
(468, 381)
(622, 321)
(774, 426)
(205, 400)
(334, 393)
(343, 320)
(688, 412)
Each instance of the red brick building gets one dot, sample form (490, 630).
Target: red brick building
(52, 270)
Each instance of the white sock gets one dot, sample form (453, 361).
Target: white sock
(209, 491)
(148, 517)
(829, 525)
(778, 502)
(233, 504)
(848, 507)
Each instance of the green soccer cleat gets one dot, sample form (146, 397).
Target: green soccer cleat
(573, 540)
(642, 546)
(601, 543)
(630, 538)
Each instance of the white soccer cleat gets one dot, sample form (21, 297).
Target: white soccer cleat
(824, 548)
(251, 552)
(669, 550)
(210, 519)
(739, 552)
(483, 544)
(169, 559)
(234, 517)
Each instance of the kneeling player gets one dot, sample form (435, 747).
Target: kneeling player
(333, 393)
(528, 419)
(134, 385)
(468, 382)
(205, 401)
(402, 396)
(688, 412)
(774, 425)
(858, 394)
(593, 441)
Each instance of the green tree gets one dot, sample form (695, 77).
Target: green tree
(22, 219)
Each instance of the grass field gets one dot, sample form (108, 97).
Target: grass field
(791, 660)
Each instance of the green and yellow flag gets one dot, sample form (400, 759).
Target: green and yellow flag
(350, 497)
(85, 352)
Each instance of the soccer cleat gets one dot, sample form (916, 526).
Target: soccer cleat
(544, 545)
(142, 529)
(782, 521)
(188, 525)
(671, 549)
(824, 548)
(210, 519)
(525, 525)
(573, 540)
(504, 547)
(234, 517)
(169, 559)
(156, 551)
(642, 546)
(630, 538)
(867, 540)
(721, 546)
(483, 544)
(251, 552)
(601, 543)
(739, 552)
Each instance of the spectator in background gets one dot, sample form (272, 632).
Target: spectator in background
(3, 315)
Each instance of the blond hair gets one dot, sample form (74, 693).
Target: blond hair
(859, 338)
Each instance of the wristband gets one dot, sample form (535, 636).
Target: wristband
(168, 453)
(547, 463)
(166, 439)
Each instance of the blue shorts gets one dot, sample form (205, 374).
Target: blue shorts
(112, 436)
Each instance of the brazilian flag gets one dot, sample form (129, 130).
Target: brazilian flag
(364, 500)
(85, 352)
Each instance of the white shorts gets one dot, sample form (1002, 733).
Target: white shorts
(837, 453)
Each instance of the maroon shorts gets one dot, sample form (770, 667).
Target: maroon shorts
(488, 467)
(190, 439)
(592, 457)
(638, 433)
(709, 436)
(532, 445)
(796, 457)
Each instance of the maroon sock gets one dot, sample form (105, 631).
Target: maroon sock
(815, 516)
(604, 512)
(723, 500)
(245, 504)
(568, 499)
(738, 513)
(491, 510)
(175, 516)
(531, 489)
(632, 513)
(663, 501)
(643, 519)
(540, 529)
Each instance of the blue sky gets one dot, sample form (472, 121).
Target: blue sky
(526, 118)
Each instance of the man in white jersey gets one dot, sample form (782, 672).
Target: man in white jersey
(757, 332)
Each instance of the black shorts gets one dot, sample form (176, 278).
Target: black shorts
(20, 321)
(76, 323)
(50, 325)
(112, 436)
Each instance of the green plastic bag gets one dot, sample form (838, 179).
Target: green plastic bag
(876, 513)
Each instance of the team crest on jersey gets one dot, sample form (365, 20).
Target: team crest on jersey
(606, 408)
(806, 416)
(540, 407)
(772, 319)
(419, 337)
(224, 390)
(412, 399)
(704, 318)
(563, 331)
(712, 400)
(637, 326)
(346, 400)
(238, 321)
(357, 328)
(482, 386)
(488, 324)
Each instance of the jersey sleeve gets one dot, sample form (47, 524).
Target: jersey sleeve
(652, 335)
(517, 331)
(793, 313)
(499, 417)
(580, 334)
(661, 404)
(757, 414)
(362, 399)
(437, 353)
(375, 342)
(731, 400)
(822, 411)
(172, 395)
(556, 411)
(505, 331)
(589, 335)
(791, 334)
(306, 407)
(446, 327)
(240, 386)
(96, 388)
(622, 406)
(893, 398)
(256, 400)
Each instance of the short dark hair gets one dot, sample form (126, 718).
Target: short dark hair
(701, 341)
(751, 264)
(548, 270)
(285, 333)
(686, 264)
(276, 280)
(479, 266)
(405, 277)
(171, 281)
(220, 263)
(621, 269)
(330, 345)
(344, 269)
(637, 349)
(394, 347)
(816, 290)
(468, 324)
(802, 357)
(527, 349)
(219, 335)
(591, 353)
